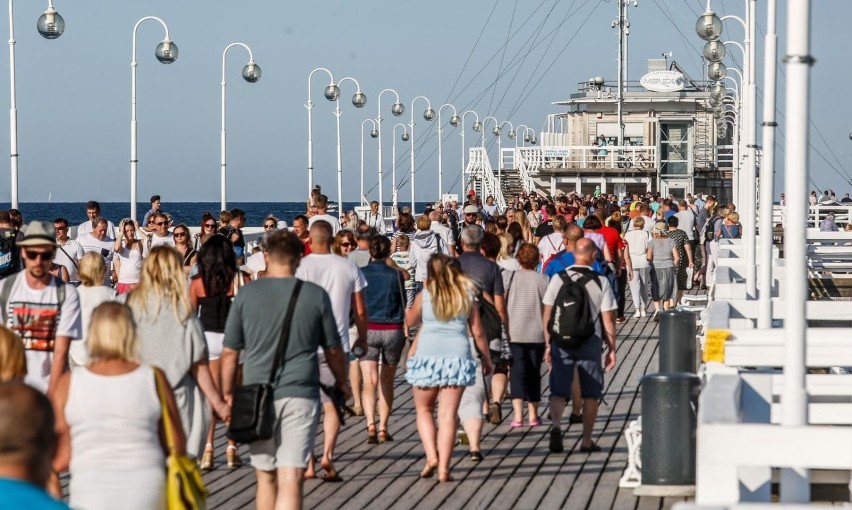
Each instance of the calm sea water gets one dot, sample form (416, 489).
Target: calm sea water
(182, 212)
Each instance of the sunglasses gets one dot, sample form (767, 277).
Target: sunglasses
(269, 226)
(66, 228)
(345, 245)
(161, 223)
(209, 225)
(179, 234)
(44, 255)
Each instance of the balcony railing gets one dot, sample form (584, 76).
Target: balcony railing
(628, 157)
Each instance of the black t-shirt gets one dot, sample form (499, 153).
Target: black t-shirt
(544, 229)
(485, 273)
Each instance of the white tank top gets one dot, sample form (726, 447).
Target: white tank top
(114, 421)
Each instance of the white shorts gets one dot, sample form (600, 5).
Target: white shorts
(215, 344)
(293, 440)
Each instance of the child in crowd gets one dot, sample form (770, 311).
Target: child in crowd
(405, 261)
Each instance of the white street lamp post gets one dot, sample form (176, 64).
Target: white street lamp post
(397, 109)
(795, 483)
(359, 100)
(50, 25)
(498, 131)
(374, 133)
(482, 136)
(428, 114)
(454, 121)
(404, 137)
(251, 73)
(166, 53)
(332, 91)
(767, 169)
(477, 127)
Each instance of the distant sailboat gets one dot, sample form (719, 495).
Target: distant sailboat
(49, 196)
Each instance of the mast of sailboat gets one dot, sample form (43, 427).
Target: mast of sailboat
(623, 26)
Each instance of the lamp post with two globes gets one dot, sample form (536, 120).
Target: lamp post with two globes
(374, 133)
(50, 25)
(358, 100)
(397, 110)
(454, 121)
(251, 73)
(428, 114)
(498, 132)
(166, 53)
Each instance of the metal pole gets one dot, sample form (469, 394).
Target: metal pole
(310, 106)
(223, 162)
(379, 129)
(339, 162)
(463, 183)
(13, 110)
(620, 24)
(767, 169)
(413, 168)
(795, 483)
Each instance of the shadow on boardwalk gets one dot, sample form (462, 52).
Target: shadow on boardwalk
(518, 472)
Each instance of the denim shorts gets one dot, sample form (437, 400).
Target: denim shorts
(562, 375)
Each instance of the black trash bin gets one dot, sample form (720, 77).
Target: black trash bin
(669, 421)
(677, 342)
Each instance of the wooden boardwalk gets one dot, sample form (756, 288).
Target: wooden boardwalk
(518, 472)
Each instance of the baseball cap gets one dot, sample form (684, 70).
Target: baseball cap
(661, 226)
(471, 192)
(471, 209)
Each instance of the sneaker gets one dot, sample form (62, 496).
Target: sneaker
(495, 414)
(556, 441)
(644, 313)
(656, 317)
(620, 320)
(637, 314)
(476, 457)
(575, 418)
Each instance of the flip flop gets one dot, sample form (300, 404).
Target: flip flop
(331, 476)
(516, 424)
(591, 448)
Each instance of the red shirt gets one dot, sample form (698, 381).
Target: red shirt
(612, 239)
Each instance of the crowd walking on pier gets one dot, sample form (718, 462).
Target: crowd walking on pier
(122, 348)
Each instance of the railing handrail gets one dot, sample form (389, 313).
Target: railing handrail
(478, 163)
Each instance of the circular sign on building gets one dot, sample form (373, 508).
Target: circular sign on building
(663, 81)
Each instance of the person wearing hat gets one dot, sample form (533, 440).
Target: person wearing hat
(40, 308)
(664, 258)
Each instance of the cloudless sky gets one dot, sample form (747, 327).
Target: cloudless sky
(74, 92)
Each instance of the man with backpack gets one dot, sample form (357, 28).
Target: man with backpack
(10, 259)
(579, 319)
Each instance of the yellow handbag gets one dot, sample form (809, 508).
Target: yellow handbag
(184, 487)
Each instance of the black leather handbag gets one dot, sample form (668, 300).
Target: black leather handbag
(253, 411)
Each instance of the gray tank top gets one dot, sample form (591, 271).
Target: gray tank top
(662, 252)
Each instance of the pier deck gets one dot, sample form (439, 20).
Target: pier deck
(518, 472)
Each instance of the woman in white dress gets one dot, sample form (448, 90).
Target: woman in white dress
(109, 421)
(128, 262)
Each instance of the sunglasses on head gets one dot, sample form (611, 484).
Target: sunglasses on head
(44, 255)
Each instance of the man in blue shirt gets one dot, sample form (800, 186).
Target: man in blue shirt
(27, 447)
(564, 259)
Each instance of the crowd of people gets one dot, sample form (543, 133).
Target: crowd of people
(107, 335)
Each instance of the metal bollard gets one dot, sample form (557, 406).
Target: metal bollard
(677, 342)
(669, 421)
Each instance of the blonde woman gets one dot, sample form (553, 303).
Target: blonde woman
(109, 421)
(92, 292)
(505, 258)
(171, 337)
(526, 229)
(13, 360)
(344, 243)
(440, 362)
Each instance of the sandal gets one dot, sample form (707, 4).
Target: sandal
(535, 423)
(372, 438)
(429, 470)
(207, 459)
(233, 458)
(593, 447)
(384, 437)
(445, 477)
(357, 411)
(516, 424)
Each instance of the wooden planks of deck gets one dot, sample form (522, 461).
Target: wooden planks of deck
(518, 472)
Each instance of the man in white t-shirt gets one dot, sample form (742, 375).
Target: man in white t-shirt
(68, 252)
(447, 245)
(93, 211)
(321, 203)
(344, 283)
(99, 242)
(552, 243)
(375, 219)
(41, 309)
(490, 208)
(585, 361)
(159, 234)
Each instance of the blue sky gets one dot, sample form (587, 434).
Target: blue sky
(74, 92)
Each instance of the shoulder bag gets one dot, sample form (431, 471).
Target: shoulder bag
(253, 410)
(184, 486)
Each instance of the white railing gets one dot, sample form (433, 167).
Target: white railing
(479, 167)
(628, 157)
(816, 213)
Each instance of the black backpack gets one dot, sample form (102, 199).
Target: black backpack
(571, 322)
(710, 229)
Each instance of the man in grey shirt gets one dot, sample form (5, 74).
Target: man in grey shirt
(254, 325)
